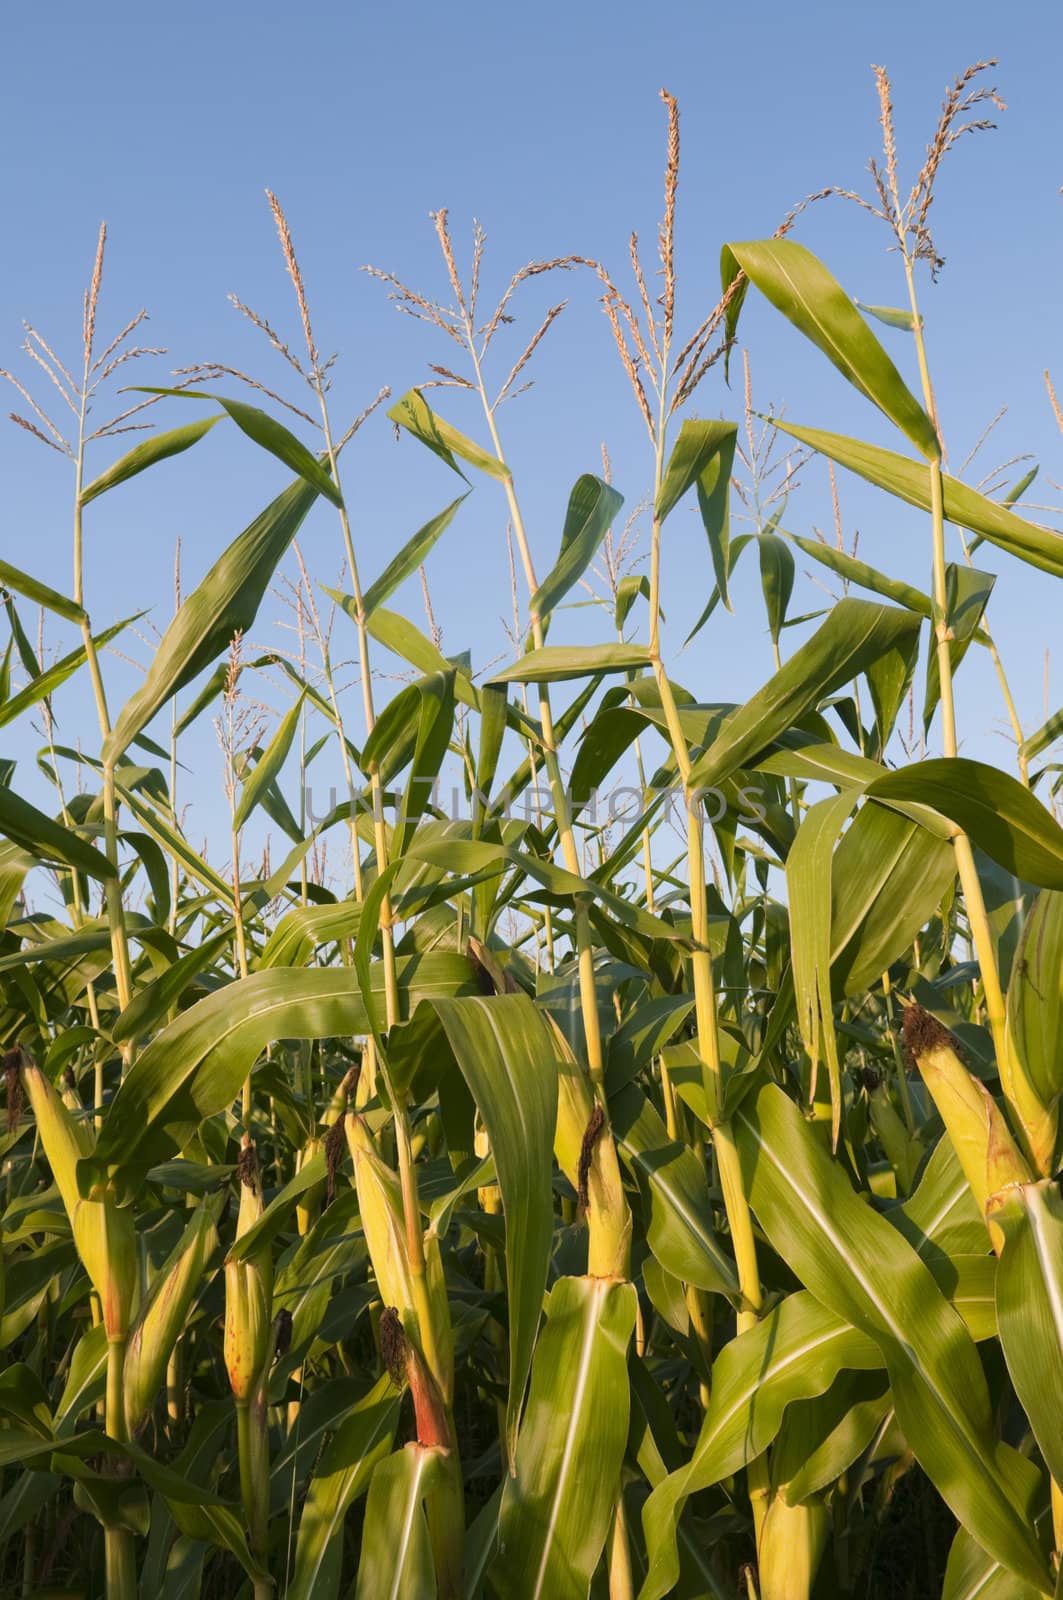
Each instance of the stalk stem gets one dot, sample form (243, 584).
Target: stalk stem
(974, 900)
(252, 1444)
(584, 945)
(119, 1548)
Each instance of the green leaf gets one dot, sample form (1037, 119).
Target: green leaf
(776, 580)
(401, 636)
(195, 1066)
(507, 1058)
(557, 1509)
(46, 682)
(268, 767)
(854, 571)
(856, 633)
(967, 592)
(698, 448)
(1046, 735)
(158, 448)
(822, 1437)
(151, 1003)
(40, 593)
(407, 561)
(891, 316)
(703, 455)
(415, 728)
(863, 1270)
(800, 286)
(362, 1440)
(1002, 817)
(942, 1211)
(1035, 998)
(592, 506)
(226, 602)
(167, 836)
(414, 413)
(267, 432)
(910, 481)
(734, 550)
(889, 876)
(808, 885)
(795, 1351)
(971, 1574)
(889, 679)
(305, 929)
(627, 592)
(1029, 1302)
(48, 841)
(556, 662)
(679, 1226)
(396, 1561)
(69, 944)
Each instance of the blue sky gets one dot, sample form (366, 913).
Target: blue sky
(544, 123)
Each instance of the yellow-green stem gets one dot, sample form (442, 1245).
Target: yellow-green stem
(621, 1572)
(119, 1548)
(974, 900)
(113, 891)
(735, 1203)
(584, 946)
(252, 1443)
(386, 921)
(241, 958)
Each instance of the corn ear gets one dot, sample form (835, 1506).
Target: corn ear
(248, 1293)
(65, 1140)
(163, 1315)
(791, 1547)
(247, 1328)
(586, 1154)
(310, 1204)
(986, 1151)
(380, 1206)
(103, 1232)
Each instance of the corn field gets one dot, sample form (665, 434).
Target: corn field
(561, 1205)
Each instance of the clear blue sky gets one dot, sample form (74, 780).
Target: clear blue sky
(544, 122)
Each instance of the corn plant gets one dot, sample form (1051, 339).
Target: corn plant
(523, 1209)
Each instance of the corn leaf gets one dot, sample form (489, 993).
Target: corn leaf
(800, 286)
(856, 633)
(32, 831)
(861, 1269)
(910, 481)
(268, 766)
(592, 505)
(224, 603)
(508, 1060)
(794, 1352)
(408, 559)
(343, 1474)
(414, 414)
(555, 663)
(265, 431)
(557, 1509)
(1029, 1306)
(40, 594)
(195, 1066)
(396, 1550)
(46, 682)
(158, 448)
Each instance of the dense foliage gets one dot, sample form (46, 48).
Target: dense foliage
(539, 1216)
